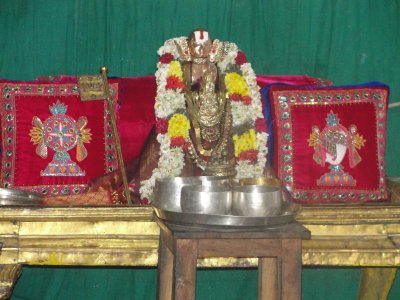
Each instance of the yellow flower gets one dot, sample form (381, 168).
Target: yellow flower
(175, 69)
(178, 126)
(236, 84)
(244, 142)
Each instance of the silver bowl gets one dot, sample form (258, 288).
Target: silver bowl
(216, 181)
(211, 200)
(19, 197)
(167, 191)
(256, 201)
(268, 181)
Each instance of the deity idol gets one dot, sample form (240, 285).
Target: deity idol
(209, 113)
(208, 110)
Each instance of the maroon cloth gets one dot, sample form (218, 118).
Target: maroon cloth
(137, 114)
(135, 119)
(137, 107)
(137, 98)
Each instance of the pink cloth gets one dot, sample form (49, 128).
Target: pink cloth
(291, 79)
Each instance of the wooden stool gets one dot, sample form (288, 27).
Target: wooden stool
(278, 251)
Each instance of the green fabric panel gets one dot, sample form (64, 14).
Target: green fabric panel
(140, 283)
(49, 283)
(395, 289)
(345, 41)
(42, 283)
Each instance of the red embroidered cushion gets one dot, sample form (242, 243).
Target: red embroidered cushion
(52, 142)
(329, 142)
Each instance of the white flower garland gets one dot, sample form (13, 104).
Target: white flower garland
(168, 101)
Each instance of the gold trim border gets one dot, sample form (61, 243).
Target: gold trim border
(341, 235)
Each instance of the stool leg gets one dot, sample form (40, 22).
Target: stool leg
(268, 288)
(185, 265)
(165, 270)
(291, 269)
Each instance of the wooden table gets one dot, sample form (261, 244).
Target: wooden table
(278, 250)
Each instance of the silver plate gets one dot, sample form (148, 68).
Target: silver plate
(18, 197)
(288, 214)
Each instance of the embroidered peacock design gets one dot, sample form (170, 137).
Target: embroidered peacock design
(61, 133)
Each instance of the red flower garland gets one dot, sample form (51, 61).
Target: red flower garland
(180, 142)
(250, 155)
(174, 83)
(166, 58)
(162, 126)
(260, 125)
(240, 58)
(237, 97)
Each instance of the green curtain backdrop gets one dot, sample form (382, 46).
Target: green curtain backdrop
(345, 41)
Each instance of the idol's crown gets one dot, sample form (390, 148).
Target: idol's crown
(58, 108)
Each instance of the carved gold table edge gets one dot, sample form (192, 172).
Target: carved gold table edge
(341, 235)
